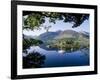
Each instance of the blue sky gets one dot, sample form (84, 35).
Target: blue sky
(60, 25)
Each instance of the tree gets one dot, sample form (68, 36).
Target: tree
(36, 19)
(47, 28)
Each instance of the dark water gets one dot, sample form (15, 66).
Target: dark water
(55, 58)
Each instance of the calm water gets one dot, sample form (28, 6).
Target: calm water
(56, 59)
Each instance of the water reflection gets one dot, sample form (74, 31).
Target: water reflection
(36, 57)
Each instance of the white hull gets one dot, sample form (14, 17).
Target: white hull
(61, 51)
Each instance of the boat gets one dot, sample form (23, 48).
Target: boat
(61, 51)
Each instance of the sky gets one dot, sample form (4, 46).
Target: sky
(60, 25)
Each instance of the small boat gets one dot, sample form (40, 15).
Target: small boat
(61, 51)
(48, 46)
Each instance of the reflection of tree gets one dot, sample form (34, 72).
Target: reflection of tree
(33, 60)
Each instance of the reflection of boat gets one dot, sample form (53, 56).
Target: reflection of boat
(61, 51)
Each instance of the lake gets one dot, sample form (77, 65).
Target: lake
(54, 58)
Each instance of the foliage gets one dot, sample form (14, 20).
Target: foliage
(29, 42)
(47, 28)
(33, 60)
(69, 44)
(35, 19)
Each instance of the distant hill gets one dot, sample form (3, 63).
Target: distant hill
(84, 34)
(59, 35)
(67, 34)
(30, 37)
(48, 35)
(62, 34)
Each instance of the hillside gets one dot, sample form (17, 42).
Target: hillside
(62, 34)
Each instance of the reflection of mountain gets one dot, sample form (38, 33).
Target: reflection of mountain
(62, 34)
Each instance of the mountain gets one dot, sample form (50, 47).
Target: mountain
(30, 37)
(84, 34)
(67, 34)
(48, 35)
(62, 34)
(59, 35)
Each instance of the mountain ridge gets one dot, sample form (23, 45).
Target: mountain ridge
(62, 34)
(59, 35)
